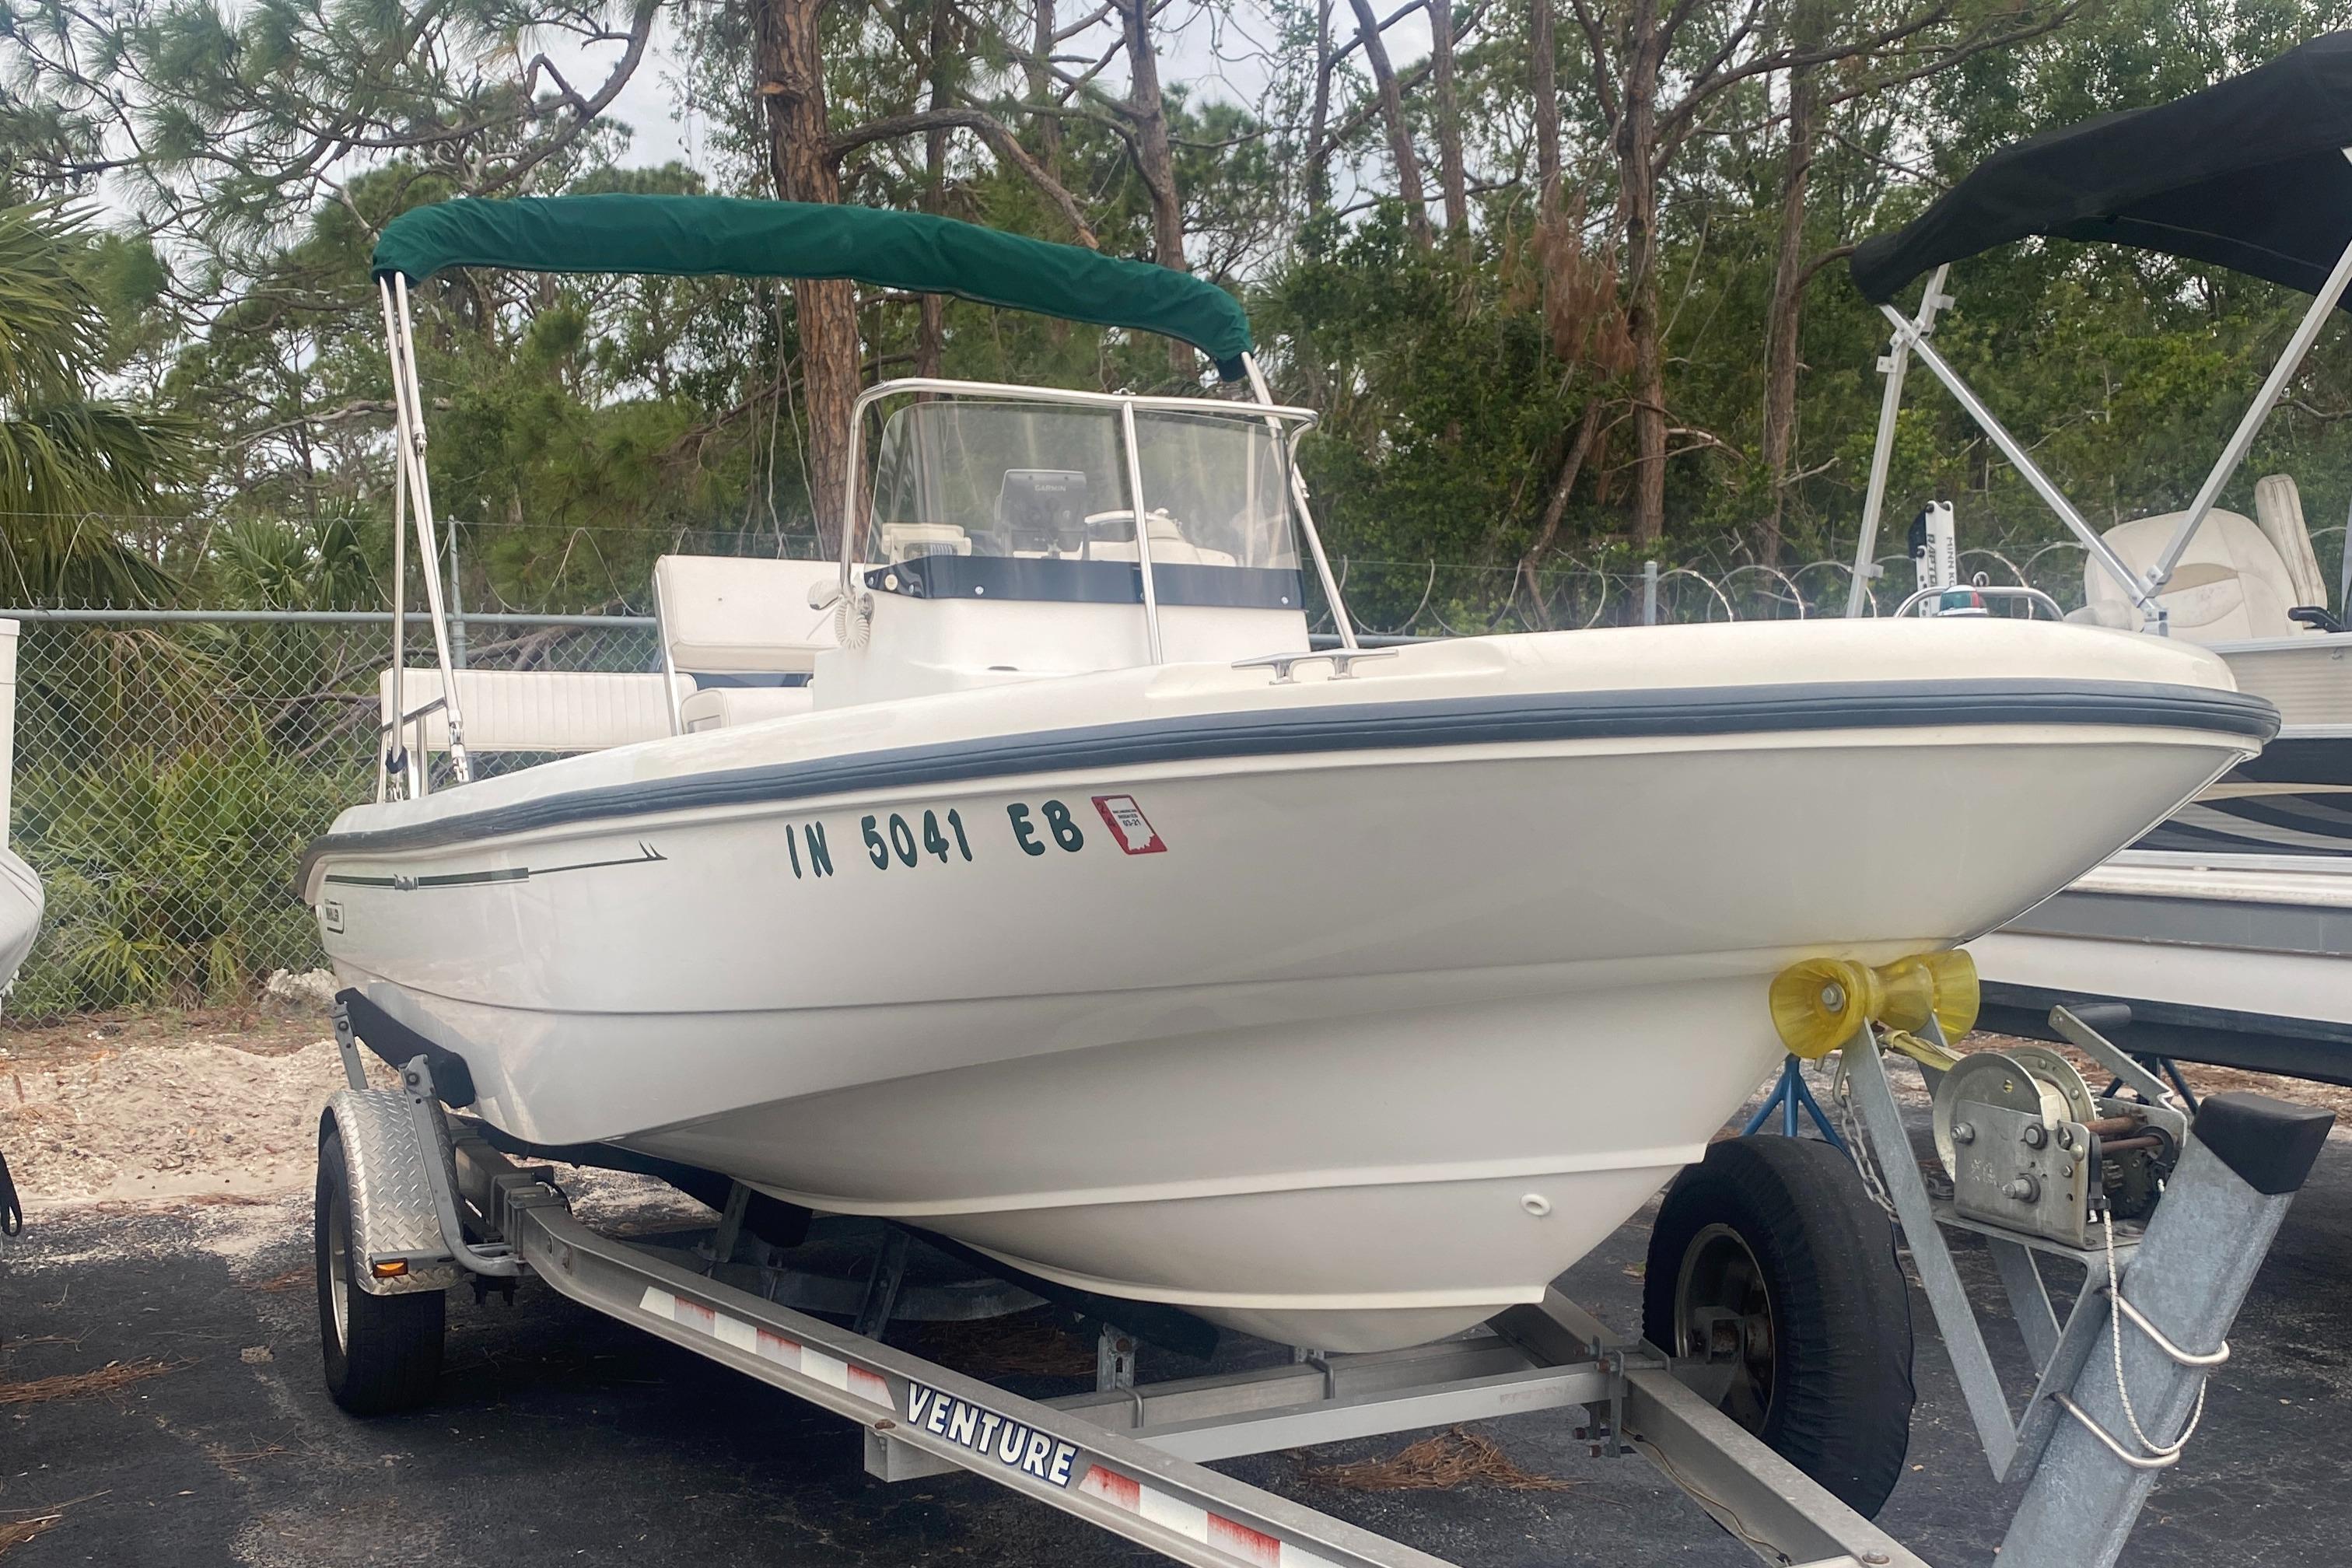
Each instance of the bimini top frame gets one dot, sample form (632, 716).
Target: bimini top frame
(2254, 173)
(717, 236)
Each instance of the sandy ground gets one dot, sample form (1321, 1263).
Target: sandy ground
(202, 1116)
(222, 1106)
(178, 1107)
(204, 1111)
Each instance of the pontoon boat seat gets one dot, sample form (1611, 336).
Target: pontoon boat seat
(741, 631)
(2236, 581)
(551, 710)
(2278, 512)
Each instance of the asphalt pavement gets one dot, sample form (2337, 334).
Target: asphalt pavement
(561, 1437)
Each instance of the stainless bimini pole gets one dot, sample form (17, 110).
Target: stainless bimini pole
(2242, 439)
(392, 745)
(1305, 513)
(1912, 334)
(408, 422)
(427, 539)
(1142, 532)
(1881, 453)
(2018, 457)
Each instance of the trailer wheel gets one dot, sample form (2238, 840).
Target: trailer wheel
(383, 1352)
(1770, 1258)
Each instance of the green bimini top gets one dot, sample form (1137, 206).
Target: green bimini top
(727, 235)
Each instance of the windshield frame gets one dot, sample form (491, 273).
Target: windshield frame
(1286, 422)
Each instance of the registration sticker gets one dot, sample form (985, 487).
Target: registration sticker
(1128, 824)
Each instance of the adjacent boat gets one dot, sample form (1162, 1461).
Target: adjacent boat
(20, 921)
(1030, 877)
(20, 914)
(2228, 928)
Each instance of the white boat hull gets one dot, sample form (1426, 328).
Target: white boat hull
(2237, 960)
(1349, 1049)
(20, 914)
(2228, 928)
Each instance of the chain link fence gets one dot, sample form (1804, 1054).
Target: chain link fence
(172, 765)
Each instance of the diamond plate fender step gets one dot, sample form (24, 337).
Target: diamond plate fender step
(391, 1191)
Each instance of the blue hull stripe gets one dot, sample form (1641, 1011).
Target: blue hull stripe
(1361, 727)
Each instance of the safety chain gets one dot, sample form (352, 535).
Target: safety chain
(1850, 1124)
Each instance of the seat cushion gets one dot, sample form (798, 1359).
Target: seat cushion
(2229, 585)
(2278, 512)
(537, 710)
(724, 615)
(723, 707)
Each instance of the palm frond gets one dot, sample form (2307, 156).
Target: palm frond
(70, 466)
(52, 327)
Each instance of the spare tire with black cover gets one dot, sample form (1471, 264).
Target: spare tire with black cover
(1770, 1257)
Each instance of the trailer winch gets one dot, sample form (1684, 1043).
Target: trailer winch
(2030, 1147)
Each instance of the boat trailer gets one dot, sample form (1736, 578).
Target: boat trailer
(431, 1202)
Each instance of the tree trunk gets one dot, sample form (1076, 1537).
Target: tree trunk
(1637, 154)
(1319, 121)
(1450, 179)
(930, 330)
(1048, 127)
(1040, 73)
(788, 37)
(1780, 326)
(1543, 86)
(1146, 118)
(1408, 161)
(1571, 464)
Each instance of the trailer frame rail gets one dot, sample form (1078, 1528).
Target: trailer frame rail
(1132, 1458)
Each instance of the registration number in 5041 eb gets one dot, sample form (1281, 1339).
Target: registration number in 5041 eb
(905, 839)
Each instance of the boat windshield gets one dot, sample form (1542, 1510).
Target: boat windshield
(1017, 500)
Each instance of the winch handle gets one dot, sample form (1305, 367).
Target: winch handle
(2092, 1028)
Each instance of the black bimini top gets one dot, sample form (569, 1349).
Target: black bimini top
(2249, 175)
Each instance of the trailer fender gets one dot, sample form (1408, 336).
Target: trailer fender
(390, 1192)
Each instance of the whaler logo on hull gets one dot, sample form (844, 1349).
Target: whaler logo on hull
(1128, 824)
(983, 1431)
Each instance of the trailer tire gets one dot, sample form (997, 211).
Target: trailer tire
(382, 1353)
(1774, 1240)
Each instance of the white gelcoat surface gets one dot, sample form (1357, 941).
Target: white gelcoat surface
(1297, 1071)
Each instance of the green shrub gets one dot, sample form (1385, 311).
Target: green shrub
(170, 881)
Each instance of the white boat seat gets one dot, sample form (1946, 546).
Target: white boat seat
(726, 615)
(2278, 512)
(905, 540)
(2231, 584)
(723, 707)
(2117, 614)
(536, 710)
(1169, 545)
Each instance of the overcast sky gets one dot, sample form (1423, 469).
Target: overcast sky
(1217, 56)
